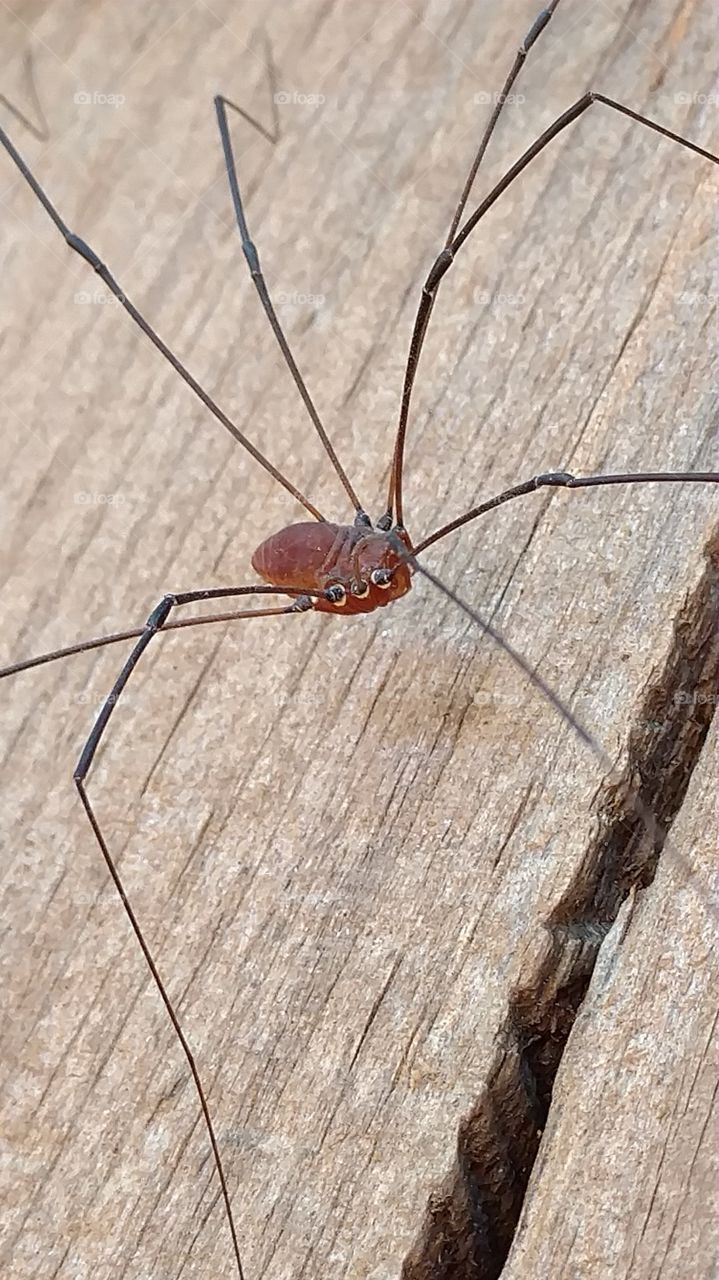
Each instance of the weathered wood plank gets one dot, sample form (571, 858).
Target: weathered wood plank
(344, 839)
(625, 1183)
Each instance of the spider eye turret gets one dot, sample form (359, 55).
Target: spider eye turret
(336, 594)
(381, 578)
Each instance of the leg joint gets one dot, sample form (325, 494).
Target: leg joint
(160, 613)
(535, 31)
(80, 246)
(557, 479)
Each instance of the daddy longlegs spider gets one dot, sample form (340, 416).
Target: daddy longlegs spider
(318, 565)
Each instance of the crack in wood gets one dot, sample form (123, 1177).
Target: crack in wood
(471, 1221)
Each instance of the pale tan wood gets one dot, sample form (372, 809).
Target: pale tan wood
(343, 839)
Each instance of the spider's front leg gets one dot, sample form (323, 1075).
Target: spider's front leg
(156, 623)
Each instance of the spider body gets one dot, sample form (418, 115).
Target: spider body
(357, 565)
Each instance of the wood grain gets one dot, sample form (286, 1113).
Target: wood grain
(373, 864)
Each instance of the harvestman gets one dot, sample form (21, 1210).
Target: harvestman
(339, 569)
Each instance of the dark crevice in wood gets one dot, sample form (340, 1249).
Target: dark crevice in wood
(471, 1221)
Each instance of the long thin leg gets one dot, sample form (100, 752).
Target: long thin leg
(563, 480)
(258, 279)
(156, 622)
(445, 259)
(535, 31)
(79, 246)
(531, 37)
(513, 654)
(655, 832)
(116, 637)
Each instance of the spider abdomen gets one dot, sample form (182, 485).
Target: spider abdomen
(316, 555)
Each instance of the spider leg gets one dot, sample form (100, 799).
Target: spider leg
(156, 622)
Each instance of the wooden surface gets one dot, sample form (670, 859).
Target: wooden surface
(374, 865)
(624, 1185)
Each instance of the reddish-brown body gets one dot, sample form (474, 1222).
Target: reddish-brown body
(315, 555)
